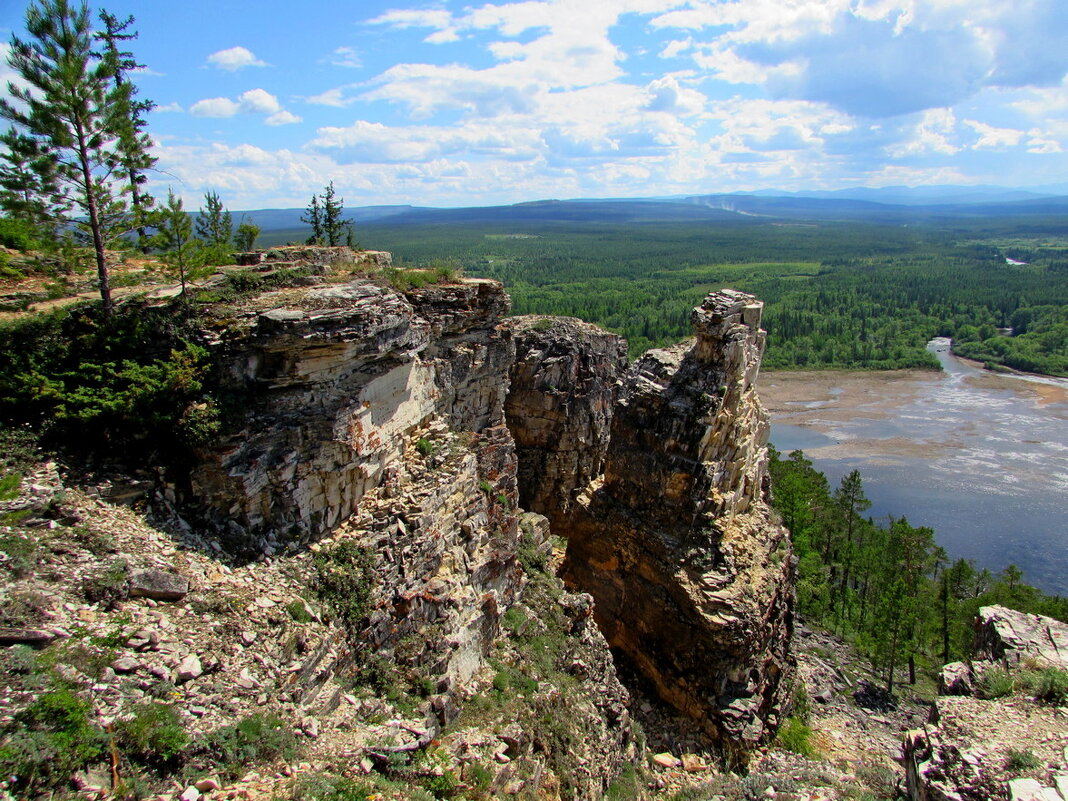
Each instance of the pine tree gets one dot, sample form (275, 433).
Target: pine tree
(29, 190)
(133, 145)
(215, 228)
(314, 217)
(245, 238)
(174, 236)
(333, 223)
(78, 113)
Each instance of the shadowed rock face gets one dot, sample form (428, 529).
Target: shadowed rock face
(559, 409)
(691, 578)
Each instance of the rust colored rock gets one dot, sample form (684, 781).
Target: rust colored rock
(559, 408)
(692, 579)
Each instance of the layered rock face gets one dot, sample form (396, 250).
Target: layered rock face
(559, 409)
(328, 382)
(691, 578)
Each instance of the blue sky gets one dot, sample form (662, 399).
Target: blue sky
(450, 104)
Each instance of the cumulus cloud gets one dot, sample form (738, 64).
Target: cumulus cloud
(283, 117)
(235, 58)
(877, 59)
(215, 107)
(254, 101)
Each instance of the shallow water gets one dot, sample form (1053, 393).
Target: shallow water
(980, 457)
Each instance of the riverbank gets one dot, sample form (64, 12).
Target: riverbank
(981, 457)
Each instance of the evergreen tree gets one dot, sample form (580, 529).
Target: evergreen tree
(133, 145)
(215, 229)
(174, 236)
(29, 190)
(334, 224)
(245, 238)
(314, 217)
(78, 113)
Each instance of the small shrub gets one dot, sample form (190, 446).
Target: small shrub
(19, 551)
(802, 706)
(485, 486)
(994, 683)
(155, 733)
(425, 446)
(332, 788)
(52, 739)
(20, 659)
(1020, 760)
(256, 738)
(1052, 686)
(298, 610)
(794, 735)
(109, 586)
(343, 580)
(9, 486)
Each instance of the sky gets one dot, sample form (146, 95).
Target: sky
(454, 104)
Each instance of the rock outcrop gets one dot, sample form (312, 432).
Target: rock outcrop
(977, 748)
(691, 578)
(326, 383)
(1011, 637)
(340, 387)
(559, 408)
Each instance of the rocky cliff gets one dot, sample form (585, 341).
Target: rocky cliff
(378, 417)
(691, 578)
(563, 385)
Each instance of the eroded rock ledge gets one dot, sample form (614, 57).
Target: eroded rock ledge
(692, 579)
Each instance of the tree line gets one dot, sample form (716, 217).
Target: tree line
(890, 589)
(837, 295)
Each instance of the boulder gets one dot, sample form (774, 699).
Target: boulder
(160, 585)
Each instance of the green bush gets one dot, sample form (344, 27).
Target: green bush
(20, 552)
(298, 610)
(994, 683)
(154, 733)
(48, 742)
(343, 580)
(1052, 686)
(1021, 760)
(131, 383)
(257, 738)
(794, 735)
(18, 234)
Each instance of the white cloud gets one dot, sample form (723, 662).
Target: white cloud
(215, 107)
(994, 138)
(254, 101)
(345, 57)
(876, 59)
(339, 97)
(167, 108)
(235, 58)
(259, 101)
(282, 117)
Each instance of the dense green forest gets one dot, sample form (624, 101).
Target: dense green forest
(889, 589)
(837, 294)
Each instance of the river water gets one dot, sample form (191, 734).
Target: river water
(980, 457)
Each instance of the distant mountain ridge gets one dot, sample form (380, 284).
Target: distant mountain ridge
(888, 205)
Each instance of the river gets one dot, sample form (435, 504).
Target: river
(980, 457)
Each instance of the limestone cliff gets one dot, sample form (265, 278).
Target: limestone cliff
(691, 578)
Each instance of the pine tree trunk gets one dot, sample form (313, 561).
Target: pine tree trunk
(94, 222)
